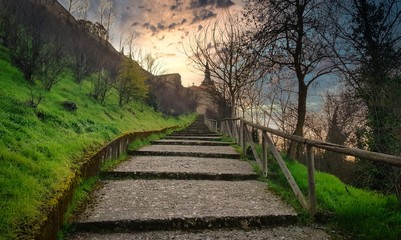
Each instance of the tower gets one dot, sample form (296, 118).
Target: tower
(208, 80)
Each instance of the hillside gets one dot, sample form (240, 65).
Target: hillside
(41, 148)
(167, 93)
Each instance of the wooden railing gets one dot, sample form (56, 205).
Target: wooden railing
(237, 128)
(211, 124)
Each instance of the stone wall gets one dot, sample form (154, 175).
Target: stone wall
(55, 218)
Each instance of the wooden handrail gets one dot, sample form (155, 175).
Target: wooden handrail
(243, 136)
(356, 152)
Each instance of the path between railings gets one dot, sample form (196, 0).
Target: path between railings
(190, 185)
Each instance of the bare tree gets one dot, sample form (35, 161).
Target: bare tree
(153, 64)
(72, 6)
(130, 41)
(28, 38)
(106, 16)
(52, 62)
(252, 100)
(220, 47)
(81, 9)
(288, 34)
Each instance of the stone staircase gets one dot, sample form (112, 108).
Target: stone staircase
(190, 185)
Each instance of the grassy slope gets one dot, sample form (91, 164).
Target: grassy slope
(365, 214)
(38, 155)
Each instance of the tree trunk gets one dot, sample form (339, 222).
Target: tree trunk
(295, 148)
(232, 106)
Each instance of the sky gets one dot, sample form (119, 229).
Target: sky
(161, 27)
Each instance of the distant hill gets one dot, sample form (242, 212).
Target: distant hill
(167, 93)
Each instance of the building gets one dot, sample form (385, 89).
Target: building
(206, 103)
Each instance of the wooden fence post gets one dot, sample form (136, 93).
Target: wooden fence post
(287, 174)
(311, 181)
(229, 128)
(248, 136)
(241, 137)
(265, 153)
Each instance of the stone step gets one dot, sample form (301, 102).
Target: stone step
(195, 134)
(195, 138)
(152, 175)
(272, 233)
(160, 167)
(188, 151)
(150, 205)
(191, 142)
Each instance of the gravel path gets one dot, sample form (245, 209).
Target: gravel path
(185, 164)
(163, 199)
(160, 206)
(191, 142)
(188, 149)
(288, 233)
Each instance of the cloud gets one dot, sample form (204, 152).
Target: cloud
(203, 15)
(167, 55)
(177, 6)
(212, 3)
(172, 26)
(150, 27)
(161, 26)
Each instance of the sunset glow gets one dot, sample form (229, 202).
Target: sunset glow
(161, 27)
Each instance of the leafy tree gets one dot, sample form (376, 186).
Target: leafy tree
(368, 52)
(102, 82)
(130, 82)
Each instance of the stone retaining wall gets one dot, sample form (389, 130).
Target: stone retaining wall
(91, 167)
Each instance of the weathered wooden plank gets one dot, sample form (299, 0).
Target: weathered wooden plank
(252, 144)
(311, 180)
(265, 154)
(229, 129)
(287, 174)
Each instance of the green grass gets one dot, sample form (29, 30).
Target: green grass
(362, 213)
(41, 149)
(81, 196)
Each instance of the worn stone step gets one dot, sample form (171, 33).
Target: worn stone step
(191, 142)
(195, 138)
(198, 129)
(273, 233)
(178, 176)
(161, 167)
(189, 151)
(195, 134)
(149, 205)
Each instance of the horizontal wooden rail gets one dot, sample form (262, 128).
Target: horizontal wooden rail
(238, 128)
(359, 153)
